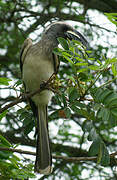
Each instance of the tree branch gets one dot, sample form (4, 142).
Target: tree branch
(69, 159)
(28, 95)
(102, 5)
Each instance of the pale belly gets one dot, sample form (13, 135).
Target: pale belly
(34, 74)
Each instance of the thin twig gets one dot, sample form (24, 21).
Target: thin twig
(20, 99)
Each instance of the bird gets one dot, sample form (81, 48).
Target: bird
(38, 63)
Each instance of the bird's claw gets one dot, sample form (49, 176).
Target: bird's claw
(43, 84)
(48, 82)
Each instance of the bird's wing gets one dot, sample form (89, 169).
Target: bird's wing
(27, 44)
(56, 62)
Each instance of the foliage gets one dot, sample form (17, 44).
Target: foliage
(80, 86)
(112, 17)
(10, 165)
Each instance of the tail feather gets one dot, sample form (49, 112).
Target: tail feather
(43, 155)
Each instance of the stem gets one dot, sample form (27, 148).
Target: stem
(90, 86)
(108, 82)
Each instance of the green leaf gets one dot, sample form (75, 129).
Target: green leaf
(66, 54)
(67, 112)
(114, 111)
(4, 142)
(99, 62)
(57, 51)
(72, 79)
(98, 147)
(64, 100)
(91, 59)
(93, 136)
(15, 157)
(85, 113)
(113, 103)
(14, 162)
(112, 17)
(100, 153)
(113, 60)
(81, 64)
(88, 51)
(94, 67)
(114, 70)
(25, 115)
(80, 59)
(105, 160)
(104, 93)
(76, 42)
(112, 120)
(94, 148)
(54, 115)
(4, 81)
(63, 42)
(100, 113)
(75, 109)
(58, 100)
(28, 128)
(87, 126)
(98, 94)
(68, 59)
(19, 82)
(82, 70)
(3, 114)
(73, 95)
(103, 113)
(110, 98)
(106, 114)
(83, 76)
(81, 105)
(5, 155)
(26, 121)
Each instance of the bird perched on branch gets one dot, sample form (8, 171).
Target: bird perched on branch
(38, 63)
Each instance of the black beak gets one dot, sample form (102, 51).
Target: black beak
(75, 35)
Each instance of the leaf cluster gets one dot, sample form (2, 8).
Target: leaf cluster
(80, 94)
(10, 164)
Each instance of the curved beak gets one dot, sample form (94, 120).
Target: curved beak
(75, 35)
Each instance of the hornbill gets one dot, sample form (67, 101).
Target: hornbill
(38, 63)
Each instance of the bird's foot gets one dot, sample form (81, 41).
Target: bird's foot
(52, 77)
(43, 84)
(48, 83)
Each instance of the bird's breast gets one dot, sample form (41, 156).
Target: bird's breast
(36, 70)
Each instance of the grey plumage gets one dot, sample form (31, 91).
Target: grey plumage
(38, 63)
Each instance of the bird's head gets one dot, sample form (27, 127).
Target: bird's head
(62, 29)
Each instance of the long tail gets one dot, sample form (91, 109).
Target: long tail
(43, 155)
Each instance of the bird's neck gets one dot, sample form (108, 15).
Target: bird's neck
(49, 43)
